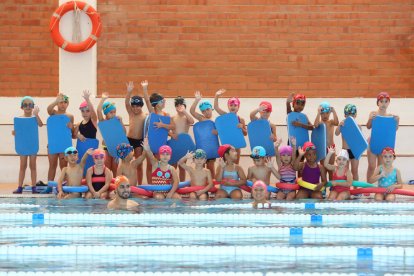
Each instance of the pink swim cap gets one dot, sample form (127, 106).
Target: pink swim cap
(165, 149)
(234, 101)
(285, 150)
(259, 183)
(83, 105)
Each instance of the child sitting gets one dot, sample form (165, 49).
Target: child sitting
(387, 176)
(73, 173)
(199, 176)
(98, 177)
(339, 190)
(285, 158)
(229, 173)
(128, 165)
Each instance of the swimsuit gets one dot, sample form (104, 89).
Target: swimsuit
(311, 175)
(390, 179)
(233, 175)
(287, 175)
(135, 143)
(88, 130)
(351, 155)
(98, 180)
(340, 189)
(160, 177)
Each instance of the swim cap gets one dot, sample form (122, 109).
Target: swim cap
(156, 98)
(259, 183)
(308, 146)
(108, 107)
(98, 152)
(258, 151)
(350, 109)
(26, 98)
(233, 101)
(204, 105)
(325, 107)
(268, 106)
(165, 149)
(70, 150)
(388, 149)
(65, 98)
(383, 95)
(343, 153)
(223, 149)
(179, 101)
(200, 154)
(300, 98)
(123, 150)
(285, 150)
(120, 179)
(136, 100)
(83, 105)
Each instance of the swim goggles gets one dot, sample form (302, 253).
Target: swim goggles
(30, 105)
(71, 152)
(98, 156)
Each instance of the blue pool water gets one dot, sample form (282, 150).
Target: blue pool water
(359, 236)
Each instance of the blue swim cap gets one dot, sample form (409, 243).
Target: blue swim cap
(70, 150)
(258, 152)
(350, 109)
(108, 107)
(26, 98)
(123, 150)
(200, 154)
(325, 107)
(204, 105)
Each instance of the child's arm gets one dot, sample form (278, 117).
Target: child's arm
(36, 114)
(61, 178)
(149, 153)
(272, 168)
(372, 116)
(220, 169)
(99, 110)
(94, 118)
(253, 116)
(85, 156)
(243, 126)
(338, 128)
(297, 165)
(119, 168)
(122, 123)
(51, 107)
(335, 121)
(175, 181)
(108, 179)
(308, 126)
(277, 153)
(323, 178)
(242, 177)
(329, 167)
(89, 181)
(209, 184)
(144, 85)
(397, 185)
(293, 142)
(135, 163)
(130, 87)
(318, 117)
(183, 161)
(289, 99)
(273, 135)
(376, 175)
(193, 112)
(250, 174)
(170, 126)
(216, 102)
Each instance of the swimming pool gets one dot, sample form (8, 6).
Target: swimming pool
(44, 235)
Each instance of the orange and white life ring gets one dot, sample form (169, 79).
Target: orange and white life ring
(87, 43)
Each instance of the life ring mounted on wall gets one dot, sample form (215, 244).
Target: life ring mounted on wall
(87, 43)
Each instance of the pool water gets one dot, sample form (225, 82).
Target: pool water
(43, 235)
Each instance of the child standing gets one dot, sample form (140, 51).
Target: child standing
(128, 165)
(311, 172)
(62, 103)
(29, 110)
(137, 117)
(265, 109)
(285, 158)
(229, 173)
(387, 176)
(87, 127)
(199, 176)
(339, 190)
(98, 177)
(383, 101)
(233, 105)
(349, 110)
(298, 101)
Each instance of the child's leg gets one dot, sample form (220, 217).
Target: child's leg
(280, 195)
(182, 174)
(354, 169)
(73, 195)
(148, 170)
(343, 196)
(22, 171)
(390, 197)
(302, 193)
(316, 195)
(203, 197)
(210, 165)
(176, 196)
(221, 194)
(33, 170)
(53, 162)
(104, 195)
(88, 195)
(137, 153)
(372, 159)
(379, 197)
(111, 164)
(291, 195)
(238, 156)
(332, 195)
(158, 196)
(236, 194)
(193, 195)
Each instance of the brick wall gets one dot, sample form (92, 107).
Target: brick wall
(253, 48)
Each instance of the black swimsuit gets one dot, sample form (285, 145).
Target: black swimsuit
(88, 130)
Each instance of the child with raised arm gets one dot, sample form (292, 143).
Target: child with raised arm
(162, 172)
(387, 175)
(199, 176)
(135, 133)
(107, 111)
(128, 164)
(383, 101)
(29, 110)
(229, 173)
(265, 109)
(311, 172)
(285, 158)
(62, 103)
(339, 190)
(88, 126)
(73, 173)
(206, 114)
(182, 121)
(298, 101)
(262, 168)
(233, 105)
(349, 110)
(98, 177)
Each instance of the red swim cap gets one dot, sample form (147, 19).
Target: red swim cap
(299, 97)
(222, 149)
(268, 105)
(383, 95)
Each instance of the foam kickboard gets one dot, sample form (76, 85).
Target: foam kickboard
(353, 136)
(228, 131)
(259, 132)
(301, 134)
(157, 137)
(180, 146)
(318, 138)
(113, 134)
(383, 134)
(205, 139)
(59, 136)
(26, 136)
(83, 147)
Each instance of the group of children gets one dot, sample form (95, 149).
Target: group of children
(292, 161)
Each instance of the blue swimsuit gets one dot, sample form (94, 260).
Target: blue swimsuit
(389, 180)
(230, 175)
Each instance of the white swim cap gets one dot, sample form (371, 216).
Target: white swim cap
(343, 153)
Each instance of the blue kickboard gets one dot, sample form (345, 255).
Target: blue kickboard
(353, 136)
(259, 132)
(26, 136)
(383, 134)
(59, 136)
(83, 147)
(180, 147)
(318, 138)
(301, 134)
(157, 137)
(113, 134)
(228, 131)
(205, 139)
